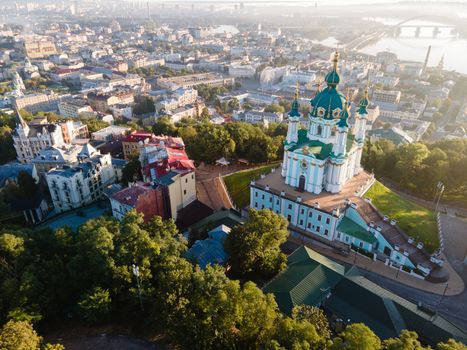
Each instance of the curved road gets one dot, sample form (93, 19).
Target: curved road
(453, 308)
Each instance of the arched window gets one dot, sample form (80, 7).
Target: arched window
(320, 130)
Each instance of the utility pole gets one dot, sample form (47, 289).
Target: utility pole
(135, 269)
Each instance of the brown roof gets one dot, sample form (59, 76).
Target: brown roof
(129, 196)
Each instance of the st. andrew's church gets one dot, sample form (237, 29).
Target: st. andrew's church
(320, 188)
(326, 155)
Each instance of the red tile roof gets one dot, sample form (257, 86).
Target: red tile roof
(129, 196)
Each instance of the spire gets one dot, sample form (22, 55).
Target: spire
(318, 87)
(332, 78)
(295, 110)
(335, 60)
(364, 102)
(20, 121)
(344, 115)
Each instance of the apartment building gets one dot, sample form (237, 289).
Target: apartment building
(75, 186)
(193, 80)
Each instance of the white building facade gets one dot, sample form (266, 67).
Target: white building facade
(72, 187)
(29, 140)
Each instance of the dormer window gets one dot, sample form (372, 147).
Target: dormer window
(336, 113)
(321, 112)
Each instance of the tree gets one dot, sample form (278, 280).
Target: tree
(297, 334)
(164, 126)
(357, 336)
(27, 185)
(7, 150)
(95, 306)
(247, 107)
(19, 336)
(254, 247)
(93, 124)
(132, 170)
(407, 341)
(274, 108)
(315, 316)
(205, 114)
(144, 105)
(234, 104)
(451, 344)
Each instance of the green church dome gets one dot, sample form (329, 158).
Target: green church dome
(328, 103)
(363, 104)
(295, 110)
(332, 78)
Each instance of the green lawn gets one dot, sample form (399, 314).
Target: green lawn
(238, 184)
(415, 220)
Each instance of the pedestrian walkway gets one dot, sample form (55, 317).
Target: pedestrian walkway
(454, 286)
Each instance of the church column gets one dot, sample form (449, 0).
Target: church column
(284, 164)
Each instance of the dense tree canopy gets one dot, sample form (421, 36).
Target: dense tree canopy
(419, 167)
(254, 247)
(49, 276)
(207, 142)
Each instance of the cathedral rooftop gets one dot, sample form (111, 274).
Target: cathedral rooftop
(327, 201)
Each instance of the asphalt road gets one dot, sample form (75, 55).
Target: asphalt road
(454, 308)
(110, 342)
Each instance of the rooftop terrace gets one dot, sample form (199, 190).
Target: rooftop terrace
(327, 201)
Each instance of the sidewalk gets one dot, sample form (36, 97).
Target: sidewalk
(454, 286)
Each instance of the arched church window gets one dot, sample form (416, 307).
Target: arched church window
(336, 113)
(321, 112)
(320, 130)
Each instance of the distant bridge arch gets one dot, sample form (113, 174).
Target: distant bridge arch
(446, 21)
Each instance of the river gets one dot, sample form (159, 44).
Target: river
(409, 47)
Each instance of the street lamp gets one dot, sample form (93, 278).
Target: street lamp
(439, 193)
(135, 269)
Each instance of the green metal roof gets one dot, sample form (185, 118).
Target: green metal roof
(310, 277)
(329, 99)
(353, 229)
(320, 149)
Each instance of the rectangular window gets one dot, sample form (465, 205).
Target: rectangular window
(290, 206)
(256, 194)
(338, 235)
(262, 197)
(289, 217)
(328, 221)
(317, 229)
(302, 211)
(310, 214)
(361, 244)
(301, 223)
(184, 192)
(309, 225)
(326, 231)
(270, 199)
(277, 202)
(256, 205)
(319, 217)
